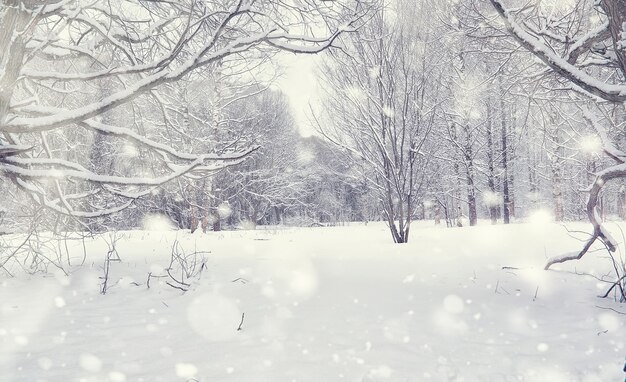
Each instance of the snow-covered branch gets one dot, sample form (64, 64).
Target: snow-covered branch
(82, 84)
(613, 92)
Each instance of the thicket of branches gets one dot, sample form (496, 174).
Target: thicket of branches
(93, 114)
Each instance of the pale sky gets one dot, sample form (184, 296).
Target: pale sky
(301, 86)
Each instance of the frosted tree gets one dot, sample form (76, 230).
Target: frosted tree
(59, 55)
(381, 105)
(337, 190)
(583, 44)
(269, 186)
(478, 131)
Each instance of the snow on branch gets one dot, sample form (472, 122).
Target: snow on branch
(563, 67)
(585, 43)
(204, 163)
(12, 150)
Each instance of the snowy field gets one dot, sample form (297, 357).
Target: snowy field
(318, 304)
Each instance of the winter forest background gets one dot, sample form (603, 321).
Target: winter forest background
(112, 112)
(126, 116)
(428, 111)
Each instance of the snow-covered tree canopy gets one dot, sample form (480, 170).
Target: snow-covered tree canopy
(583, 42)
(70, 69)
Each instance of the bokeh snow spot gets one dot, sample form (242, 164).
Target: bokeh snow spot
(157, 222)
(303, 281)
(130, 151)
(214, 317)
(374, 72)
(248, 225)
(540, 219)
(186, 370)
(305, 156)
(545, 374)
(381, 372)
(356, 93)
(590, 144)
(542, 347)
(116, 376)
(388, 111)
(491, 199)
(90, 363)
(609, 321)
(268, 291)
(453, 304)
(45, 363)
(224, 210)
(59, 302)
(294, 278)
(447, 320)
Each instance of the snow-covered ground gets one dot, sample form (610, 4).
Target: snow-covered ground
(320, 304)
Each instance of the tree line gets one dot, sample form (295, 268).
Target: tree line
(453, 111)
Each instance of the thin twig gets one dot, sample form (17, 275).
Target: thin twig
(241, 323)
(607, 308)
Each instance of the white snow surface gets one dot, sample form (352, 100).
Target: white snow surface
(320, 304)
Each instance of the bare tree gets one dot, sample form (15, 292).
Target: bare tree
(265, 187)
(381, 107)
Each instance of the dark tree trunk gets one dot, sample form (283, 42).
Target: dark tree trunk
(616, 13)
(491, 180)
(471, 187)
(506, 196)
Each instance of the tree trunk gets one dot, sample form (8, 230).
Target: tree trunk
(621, 203)
(471, 188)
(217, 222)
(557, 193)
(506, 197)
(616, 13)
(13, 19)
(193, 219)
(557, 163)
(491, 179)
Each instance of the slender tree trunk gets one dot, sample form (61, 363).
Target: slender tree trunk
(471, 187)
(616, 12)
(557, 164)
(621, 202)
(491, 175)
(217, 222)
(507, 204)
(557, 193)
(457, 189)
